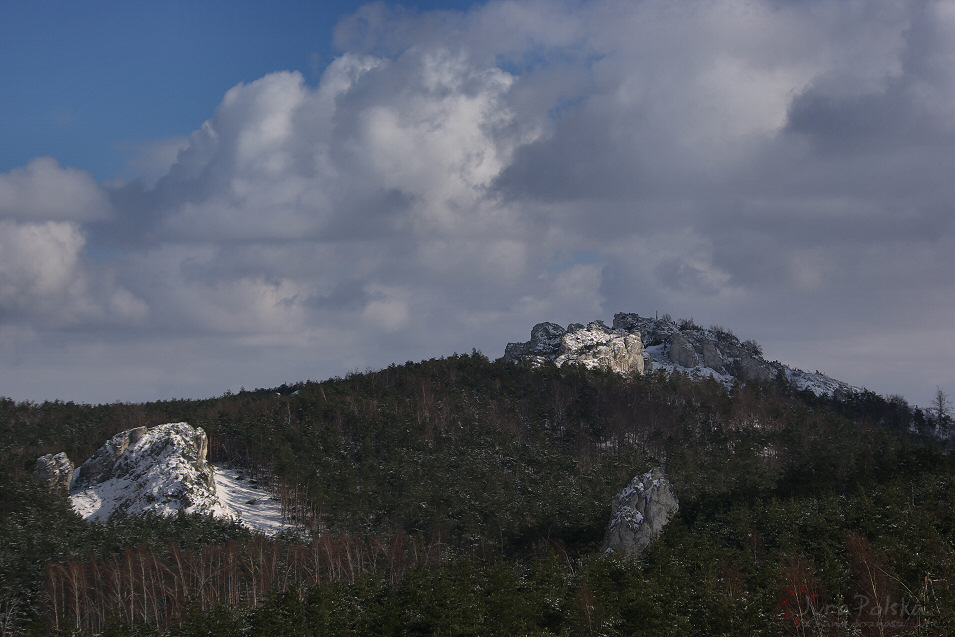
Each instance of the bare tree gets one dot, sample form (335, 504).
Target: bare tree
(941, 407)
(9, 611)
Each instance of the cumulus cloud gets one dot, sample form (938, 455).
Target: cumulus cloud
(43, 279)
(44, 190)
(39, 266)
(455, 177)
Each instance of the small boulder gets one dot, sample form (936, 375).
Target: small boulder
(640, 512)
(55, 471)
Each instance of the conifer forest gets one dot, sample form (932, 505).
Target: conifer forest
(466, 496)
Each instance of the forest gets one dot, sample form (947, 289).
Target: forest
(468, 496)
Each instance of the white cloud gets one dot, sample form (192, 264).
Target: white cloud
(44, 190)
(43, 279)
(151, 159)
(39, 268)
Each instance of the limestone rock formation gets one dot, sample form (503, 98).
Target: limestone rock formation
(100, 466)
(682, 352)
(752, 368)
(640, 512)
(544, 343)
(593, 346)
(159, 470)
(55, 471)
(635, 344)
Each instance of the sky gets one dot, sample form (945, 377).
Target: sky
(197, 197)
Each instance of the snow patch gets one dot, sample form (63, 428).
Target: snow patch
(249, 504)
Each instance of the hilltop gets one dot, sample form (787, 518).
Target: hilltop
(636, 344)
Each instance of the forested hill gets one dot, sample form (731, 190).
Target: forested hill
(469, 496)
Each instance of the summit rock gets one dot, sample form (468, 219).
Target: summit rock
(593, 346)
(636, 344)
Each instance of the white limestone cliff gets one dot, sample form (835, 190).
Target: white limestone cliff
(160, 470)
(593, 346)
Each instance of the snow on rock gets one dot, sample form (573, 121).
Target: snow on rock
(55, 471)
(544, 343)
(639, 514)
(663, 344)
(163, 470)
(593, 346)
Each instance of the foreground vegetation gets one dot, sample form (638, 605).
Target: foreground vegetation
(468, 496)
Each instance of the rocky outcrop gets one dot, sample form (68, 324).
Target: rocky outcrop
(55, 471)
(593, 346)
(639, 514)
(544, 344)
(713, 352)
(102, 464)
(159, 470)
(682, 352)
(664, 345)
(751, 368)
(712, 357)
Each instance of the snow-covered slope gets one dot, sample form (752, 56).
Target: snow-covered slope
(163, 470)
(248, 503)
(671, 346)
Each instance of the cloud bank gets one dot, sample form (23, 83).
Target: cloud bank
(783, 169)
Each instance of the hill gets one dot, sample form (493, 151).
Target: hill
(469, 496)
